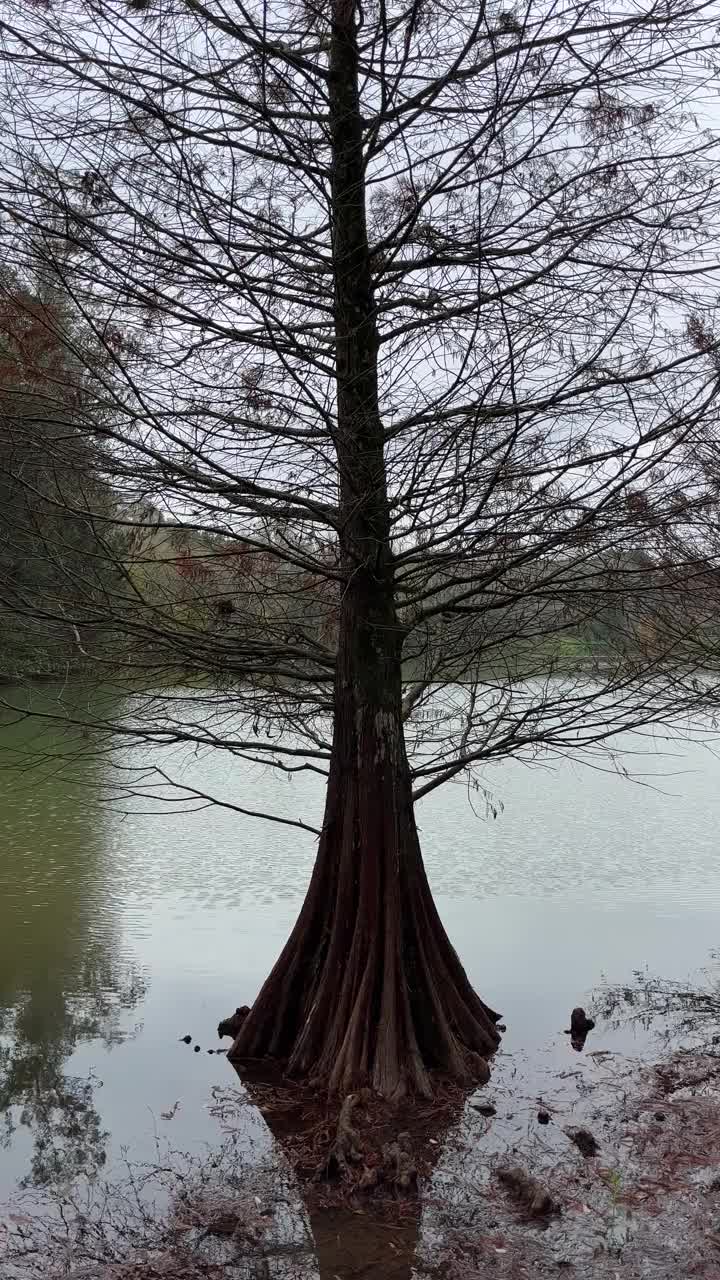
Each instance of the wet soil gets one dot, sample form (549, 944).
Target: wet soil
(578, 1164)
(591, 1164)
(642, 1204)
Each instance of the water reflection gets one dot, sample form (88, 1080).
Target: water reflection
(178, 1215)
(674, 1012)
(63, 977)
(581, 874)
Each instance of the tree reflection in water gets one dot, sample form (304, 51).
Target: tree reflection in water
(65, 979)
(36, 1091)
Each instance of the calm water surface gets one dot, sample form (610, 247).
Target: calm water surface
(120, 933)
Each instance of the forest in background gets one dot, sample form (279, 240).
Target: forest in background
(95, 576)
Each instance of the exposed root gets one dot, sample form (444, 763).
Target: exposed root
(231, 1026)
(400, 1168)
(580, 1026)
(346, 1150)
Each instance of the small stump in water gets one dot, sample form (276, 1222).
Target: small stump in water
(231, 1026)
(580, 1026)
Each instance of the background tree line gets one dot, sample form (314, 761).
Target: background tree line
(77, 548)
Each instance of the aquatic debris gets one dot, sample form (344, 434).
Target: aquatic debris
(484, 1108)
(584, 1141)
(531, 1193)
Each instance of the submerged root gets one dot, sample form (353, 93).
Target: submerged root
(345, 1150)
(396, 1168)
(400, 1168)
(358, 1149)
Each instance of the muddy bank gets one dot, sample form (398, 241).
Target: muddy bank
(578, 1164)
(627, 1154)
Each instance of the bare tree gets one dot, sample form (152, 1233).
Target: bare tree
(410, 312)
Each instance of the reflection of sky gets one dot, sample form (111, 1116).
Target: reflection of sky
(568, 829)
(582, 875)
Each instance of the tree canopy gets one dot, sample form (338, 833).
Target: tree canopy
(409, 314)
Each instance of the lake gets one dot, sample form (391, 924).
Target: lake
(122, 932)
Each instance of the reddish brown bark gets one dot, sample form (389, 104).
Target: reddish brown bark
(368, 988)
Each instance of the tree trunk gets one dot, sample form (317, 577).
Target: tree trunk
(368, 988)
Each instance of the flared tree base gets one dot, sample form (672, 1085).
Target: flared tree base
(368, 990)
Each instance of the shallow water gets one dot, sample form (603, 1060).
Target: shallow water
(119, 932)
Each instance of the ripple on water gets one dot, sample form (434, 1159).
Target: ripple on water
(563, 831)
(579, 874)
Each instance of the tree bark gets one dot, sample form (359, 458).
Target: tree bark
(368, 989)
